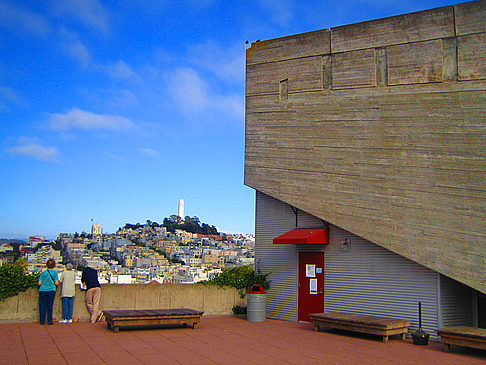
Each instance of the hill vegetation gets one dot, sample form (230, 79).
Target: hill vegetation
(188, 224)
(14, 279)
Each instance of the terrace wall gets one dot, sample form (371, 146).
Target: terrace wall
(213, 300)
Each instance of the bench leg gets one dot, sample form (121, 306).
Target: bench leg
(116, 329)
(403, 336)
(316, 327)
(385, 339)
(447, 347)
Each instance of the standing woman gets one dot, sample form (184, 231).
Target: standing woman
(48, 282)
(67, 294)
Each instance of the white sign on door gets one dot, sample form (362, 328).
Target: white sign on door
(313, 286)
(310, 270)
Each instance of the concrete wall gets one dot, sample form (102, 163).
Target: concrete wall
(380, 128)
(213, 300)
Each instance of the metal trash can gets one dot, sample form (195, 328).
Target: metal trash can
(256, 309)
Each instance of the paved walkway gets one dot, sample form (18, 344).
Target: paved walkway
(217, 340)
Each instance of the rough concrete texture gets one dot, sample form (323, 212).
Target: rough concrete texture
(213, 300)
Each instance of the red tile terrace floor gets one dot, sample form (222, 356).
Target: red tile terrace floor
(217, 340)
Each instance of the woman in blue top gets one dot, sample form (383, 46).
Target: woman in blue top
(48, 282)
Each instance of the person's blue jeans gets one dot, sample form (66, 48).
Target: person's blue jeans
(67, 307)
(46, 302)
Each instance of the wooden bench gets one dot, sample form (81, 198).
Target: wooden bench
(463, 336)
(138, 317)
(359, 323)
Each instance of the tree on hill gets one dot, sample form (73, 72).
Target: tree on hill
(189, 224)
(173, 222)
(133, 227)
(152, 224)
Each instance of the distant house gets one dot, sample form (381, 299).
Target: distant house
(366, 145)
(7, 254)
(6, 248)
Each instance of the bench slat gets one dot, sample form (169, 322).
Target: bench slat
(150, 312)
(361, 319)
(464, 331)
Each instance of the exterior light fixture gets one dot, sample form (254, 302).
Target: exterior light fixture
(346, 244)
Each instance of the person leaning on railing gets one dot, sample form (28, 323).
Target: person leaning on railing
(48, 282)
(89, 278)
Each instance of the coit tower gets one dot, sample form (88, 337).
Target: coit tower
(180, 212)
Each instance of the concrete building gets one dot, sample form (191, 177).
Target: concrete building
(180, 210)
(43, 254)
(36, 241)
(365, 144)
(7, 254)
(121, 279)
(213, 257)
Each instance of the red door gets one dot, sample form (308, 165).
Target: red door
(311, 284)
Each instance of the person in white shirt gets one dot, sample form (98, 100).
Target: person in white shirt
(67, 294)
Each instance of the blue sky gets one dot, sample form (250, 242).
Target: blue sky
(115, 110)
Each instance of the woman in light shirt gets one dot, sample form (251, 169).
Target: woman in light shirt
(67, 294)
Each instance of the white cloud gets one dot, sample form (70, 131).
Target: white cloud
(124, 99)
(116, 157)
(188, 90)
(24, 20)
(79, 52)
(9, 94)
(121, 71)
(227, 63)
(8, 97)
(192, 95)
(90, 12)
(231, 106)
(148, 152)
(81, 119)
(68, 136)
(33, 148)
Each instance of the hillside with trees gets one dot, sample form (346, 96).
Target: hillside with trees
(188, 224)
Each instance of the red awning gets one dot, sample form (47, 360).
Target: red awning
(304, 236)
